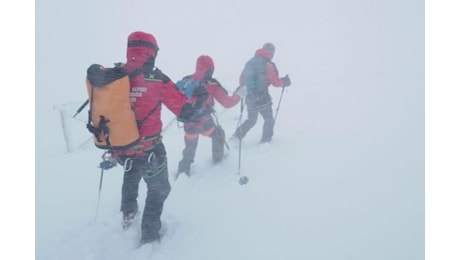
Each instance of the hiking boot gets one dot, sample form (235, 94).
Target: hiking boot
(184, 168)
(265, 140)
(216, 161)
(128, 218)
(150, 239)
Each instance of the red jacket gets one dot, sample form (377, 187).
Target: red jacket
(150, 91)
(204, 70)
(150, 88)
(219, 93)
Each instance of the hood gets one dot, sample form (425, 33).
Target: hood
(264, 53)
(204, 67)
(142, 47)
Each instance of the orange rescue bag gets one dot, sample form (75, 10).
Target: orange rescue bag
(111, 118)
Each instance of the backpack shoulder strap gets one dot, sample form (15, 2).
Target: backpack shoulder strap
(133, 74)
(141, 122)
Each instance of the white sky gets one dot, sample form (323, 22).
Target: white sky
(442, 129)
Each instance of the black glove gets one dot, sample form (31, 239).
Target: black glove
(187, 113)
(287, 81)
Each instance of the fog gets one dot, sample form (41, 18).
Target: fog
(342, 179)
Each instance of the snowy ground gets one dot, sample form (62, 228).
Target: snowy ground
(317, 191)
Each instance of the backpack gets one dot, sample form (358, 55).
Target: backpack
(111, 118)
(187, 85)
(192, 88)
(254, 75)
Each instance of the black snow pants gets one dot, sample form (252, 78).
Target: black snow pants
(256, 105)
(207, 127)
(153, 169)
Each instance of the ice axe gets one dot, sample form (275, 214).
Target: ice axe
(81, 108)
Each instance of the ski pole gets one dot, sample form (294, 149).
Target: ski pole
(243, 179)
(279, 103)
(99, 195)
(239, 134)
(108, 162)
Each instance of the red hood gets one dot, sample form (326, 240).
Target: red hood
(264, 53)
(203, 64)
(141, 46)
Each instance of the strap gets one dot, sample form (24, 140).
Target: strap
(141, 122)
(104, 129)
(133, 74)
(96, 131)
(100, 129)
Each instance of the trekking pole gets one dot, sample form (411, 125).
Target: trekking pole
(108, 162)
(243, 179)
(81, 107)
(99, 194)
(278, 108)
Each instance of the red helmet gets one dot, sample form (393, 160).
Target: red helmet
(141, 47)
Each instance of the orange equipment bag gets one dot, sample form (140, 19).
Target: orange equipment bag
(111, 118)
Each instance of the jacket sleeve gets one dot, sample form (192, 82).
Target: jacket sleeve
(272, 75)
(221, 95)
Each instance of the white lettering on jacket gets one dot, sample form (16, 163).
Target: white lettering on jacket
(136, 92)
(139, 89)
